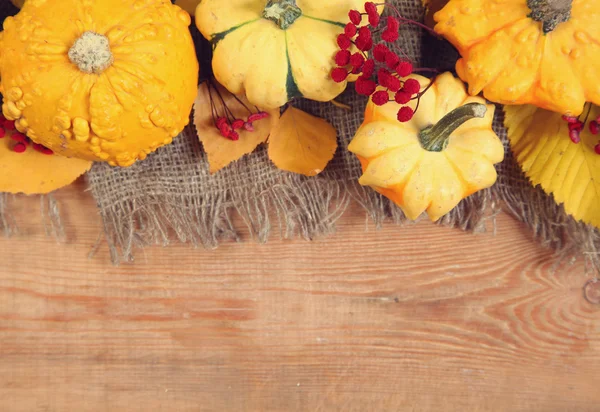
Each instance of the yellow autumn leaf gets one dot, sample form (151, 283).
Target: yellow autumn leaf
(302, 143)
(571, 172)
(32, 172)
(220, 150)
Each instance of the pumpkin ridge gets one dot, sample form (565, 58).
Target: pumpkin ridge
(467, 149)
(114, 87)
(538, 78)
(512, 62)
(537, 82)
(127, 19)
(103, 121)
(391, 149)
(291, 87)
(217, 37)
(466, 187)
(482, 38)
(408, 175)
(136, 71)
(335, 23)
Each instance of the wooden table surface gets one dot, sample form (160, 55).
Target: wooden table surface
(414, 318)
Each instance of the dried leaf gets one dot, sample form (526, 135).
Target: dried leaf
(32, 172)
(302, 143)
(571, 172)
(220, 150)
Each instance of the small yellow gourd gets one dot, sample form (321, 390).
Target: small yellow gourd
(445, 153)
(108, 80)
(276, 50)
(540, 52)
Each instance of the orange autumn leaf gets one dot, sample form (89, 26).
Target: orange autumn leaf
(302, 143)
(220, 150)
(32, 172)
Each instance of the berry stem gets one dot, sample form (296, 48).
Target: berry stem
(409, 21)
(587, 115)
(418, 97)
(426, 69)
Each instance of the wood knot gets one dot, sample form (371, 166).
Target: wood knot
(591, 291)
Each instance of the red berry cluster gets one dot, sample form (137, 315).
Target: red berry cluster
(576, 126)
(387, 67)
(229, 126)
(225, 120)
(22, 141)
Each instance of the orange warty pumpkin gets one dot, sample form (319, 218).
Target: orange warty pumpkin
(108, 80)
(540, 52)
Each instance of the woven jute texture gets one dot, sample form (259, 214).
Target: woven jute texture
(171, 196)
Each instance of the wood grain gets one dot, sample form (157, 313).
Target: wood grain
(414, 318)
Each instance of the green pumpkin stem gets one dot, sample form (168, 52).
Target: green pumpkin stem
(282, 12)
(435, 137)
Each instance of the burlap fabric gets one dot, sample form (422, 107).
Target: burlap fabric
(172, 197)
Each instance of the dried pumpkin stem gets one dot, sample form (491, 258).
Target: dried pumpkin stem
(435, 138)
(91, 53)
(550, 12)
(282, 12)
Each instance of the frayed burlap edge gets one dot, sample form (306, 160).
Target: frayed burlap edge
(294, 208)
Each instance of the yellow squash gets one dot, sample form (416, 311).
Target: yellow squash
(430, 163)
(108, 80)
(275, 50)
(540, 52)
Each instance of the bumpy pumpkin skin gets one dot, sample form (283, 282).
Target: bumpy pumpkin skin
(506, 54)
(253, 55)
(119, 115)
(396, 165)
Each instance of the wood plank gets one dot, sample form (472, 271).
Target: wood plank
(416, 318)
